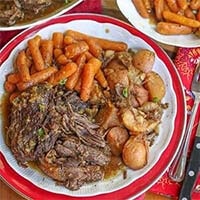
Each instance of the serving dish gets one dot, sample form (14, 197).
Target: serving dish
(33, 184)
(129, 11)
(41, 19)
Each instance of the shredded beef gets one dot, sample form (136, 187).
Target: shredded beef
(49, 125)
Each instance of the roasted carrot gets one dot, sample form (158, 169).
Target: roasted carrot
(14, 78)
(103, 43)
(76, 49)
(89, 71)
(73, 79)
(65, 71)
(140, 7)
(173, 5)
(23, 66)
(88, 55)
(68, 40)
(167, 28)
(57, 38)
(46, 49)
(101, 79)
(94, 47)
(13, 96)
(159, 7)
(37, 77)
(9, 87)
(34, 45)
(62, 59)
(183, 4)
(173, 17)
(195, 4)
(57, 52)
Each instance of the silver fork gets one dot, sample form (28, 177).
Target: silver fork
(177, 169)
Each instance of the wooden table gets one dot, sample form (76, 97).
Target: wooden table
(109, 8)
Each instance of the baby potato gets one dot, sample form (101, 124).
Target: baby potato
(143, 60)
(155, 85)
(116, 137)
(135, 153)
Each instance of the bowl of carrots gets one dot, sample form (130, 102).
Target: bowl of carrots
(67, 51)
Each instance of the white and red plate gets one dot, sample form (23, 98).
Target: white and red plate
(30, 183)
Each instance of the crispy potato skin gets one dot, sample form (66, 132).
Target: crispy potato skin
(135, 153)
(116, 137)
(155, 85)
(144, 60)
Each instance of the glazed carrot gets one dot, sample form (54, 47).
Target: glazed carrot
(101, 79)
(34, 45)
(73, 79)
(46, 49)
(173, 17)
(23, 66)
(57, 52)
(78, 85)
(68, 40)
(195, 4)
(103, 43)
(65, 71)
(140, 7)
(148, 5)
(173, 5)
(9, 87)
(14, 78)
(167, 28)
(94, 47)
(159, 7)
(89, 71)
(32, 69)
(183, 4)
(76, 49)
(13, 96)
(57, 38)
(111, 45)
(88, 55)
(62, 59)
(37, 77)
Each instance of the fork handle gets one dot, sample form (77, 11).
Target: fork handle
(177, 169)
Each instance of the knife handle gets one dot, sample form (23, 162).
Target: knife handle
(192, 171)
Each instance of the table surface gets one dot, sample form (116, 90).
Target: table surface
(109, 8)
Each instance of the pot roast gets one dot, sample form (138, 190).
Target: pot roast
(49, 125)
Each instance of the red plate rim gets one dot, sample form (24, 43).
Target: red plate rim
(29, 190)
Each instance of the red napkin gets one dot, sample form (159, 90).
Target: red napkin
(185, 62)
(87, 6)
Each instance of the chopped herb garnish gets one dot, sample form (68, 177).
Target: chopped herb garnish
(62, 82)
(155, 100)
(40, 132)
(125, 92)
(41, 107)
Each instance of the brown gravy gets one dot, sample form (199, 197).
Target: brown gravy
(55, 7)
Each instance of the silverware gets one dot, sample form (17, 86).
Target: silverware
(177, 169)
(192, 169)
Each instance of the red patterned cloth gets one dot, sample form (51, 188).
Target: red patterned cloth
(185, 62)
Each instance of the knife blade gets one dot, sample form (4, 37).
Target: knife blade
(192, 169)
